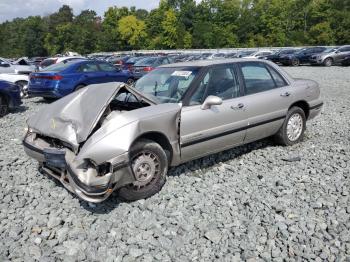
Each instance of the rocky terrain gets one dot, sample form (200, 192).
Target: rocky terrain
(258, 202)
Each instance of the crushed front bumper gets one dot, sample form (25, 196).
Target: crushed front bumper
(76, 177)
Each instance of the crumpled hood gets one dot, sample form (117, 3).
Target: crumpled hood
(72, 118)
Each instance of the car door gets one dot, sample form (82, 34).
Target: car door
(90, 73)
(221, 126)
(341, 53)
(111, 73)
(267, 99)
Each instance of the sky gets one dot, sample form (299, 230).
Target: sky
(10, 9)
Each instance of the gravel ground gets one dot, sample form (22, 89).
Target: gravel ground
(247, 203)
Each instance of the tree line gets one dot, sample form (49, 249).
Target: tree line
(180, 24)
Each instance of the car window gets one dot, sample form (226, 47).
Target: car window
(219, 81)
(279, 80)
(106, 67)
(345, 49)
(88, 67)
(256, 78)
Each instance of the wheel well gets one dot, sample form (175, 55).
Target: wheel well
(303, 105)
(78, 85)
(162, 140)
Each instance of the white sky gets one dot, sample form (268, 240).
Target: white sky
(10, 9)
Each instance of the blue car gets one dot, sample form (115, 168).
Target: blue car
(10, 97)
(64, 78)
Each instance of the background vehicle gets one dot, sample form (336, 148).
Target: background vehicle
(10, 97)
(331, 56)
(61, 79)
(18, 79)
(144, 66)
(346, 61)
(55, 60)
(301, 57)
(259, 54)
(8, 67)
(129, 136)
(275, 57)
(242, 54)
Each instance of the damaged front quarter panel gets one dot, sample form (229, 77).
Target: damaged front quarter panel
(115, 137)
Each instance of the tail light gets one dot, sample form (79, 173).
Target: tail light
(148, 69)
(54, 77)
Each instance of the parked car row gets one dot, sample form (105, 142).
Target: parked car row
(56, 77)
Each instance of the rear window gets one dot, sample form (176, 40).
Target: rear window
(146, 61)
(48, 62)
(56, 67)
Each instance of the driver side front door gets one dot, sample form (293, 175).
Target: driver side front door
(206, 131)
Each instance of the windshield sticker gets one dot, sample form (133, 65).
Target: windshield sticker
(182, 73)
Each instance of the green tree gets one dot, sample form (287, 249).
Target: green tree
(132, 30)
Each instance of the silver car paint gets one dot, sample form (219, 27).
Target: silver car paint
(191, 131)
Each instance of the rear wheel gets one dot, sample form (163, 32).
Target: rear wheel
(4, 106)
(23, 85)
(150, 165)
(130, 81)
(328, 62)
(293, 128)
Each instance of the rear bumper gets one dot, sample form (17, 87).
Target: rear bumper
(315, 110)
(77, 179)
(44, 93)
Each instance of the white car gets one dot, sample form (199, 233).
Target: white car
(7, 67)
(260, 53)
(19, 79)
(55, 60)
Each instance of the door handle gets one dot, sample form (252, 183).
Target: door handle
(239, 106)
(286, 94)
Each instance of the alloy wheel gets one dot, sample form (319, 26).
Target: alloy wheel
(294, 127)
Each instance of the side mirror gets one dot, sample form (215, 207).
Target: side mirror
(337, 52)
(211, 101)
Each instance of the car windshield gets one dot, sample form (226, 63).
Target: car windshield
(56, 67)
(330, 50)
(166, 85)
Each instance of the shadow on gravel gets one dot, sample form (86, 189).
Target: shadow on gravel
(201, 164)
(19, 109)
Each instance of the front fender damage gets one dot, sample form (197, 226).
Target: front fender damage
(108, 148)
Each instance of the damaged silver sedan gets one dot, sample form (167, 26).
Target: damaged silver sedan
(113, 136)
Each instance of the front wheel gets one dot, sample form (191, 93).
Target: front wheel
(295, 62)
(149, 164)
(328, 62)
(23, 85)
(293, 128)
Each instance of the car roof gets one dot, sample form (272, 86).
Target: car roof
(203, 63)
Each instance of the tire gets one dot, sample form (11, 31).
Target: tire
(130, 81)
(328, 62)
(295, 62)
(22, 85)
(49, 99)
(285, 136)
(145, 156)
(79, 87)
(4, 106)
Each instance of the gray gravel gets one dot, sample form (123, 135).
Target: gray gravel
(258, 202)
